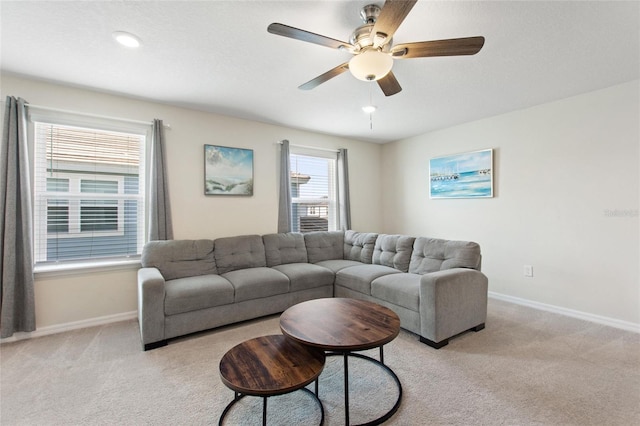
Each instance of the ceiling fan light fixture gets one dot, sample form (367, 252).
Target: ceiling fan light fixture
(370, 65)
(369, 109)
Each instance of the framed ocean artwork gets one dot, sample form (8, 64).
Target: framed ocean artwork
(228, 171)
(467, 175)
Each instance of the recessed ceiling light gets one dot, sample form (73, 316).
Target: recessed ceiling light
(127, 39)
(369, 109)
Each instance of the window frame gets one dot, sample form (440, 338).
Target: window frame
(331, 202)
(38, 155)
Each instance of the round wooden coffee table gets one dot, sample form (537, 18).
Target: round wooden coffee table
(342, 326)
(268, 366)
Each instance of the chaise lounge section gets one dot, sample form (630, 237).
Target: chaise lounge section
(184, 286)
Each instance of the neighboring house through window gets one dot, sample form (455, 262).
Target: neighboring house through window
(89, 190)
(313, 190)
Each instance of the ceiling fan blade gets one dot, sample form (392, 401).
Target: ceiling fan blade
(389, 84)
(325, 77)
(391, 16)
(302, 35)
(450, 47)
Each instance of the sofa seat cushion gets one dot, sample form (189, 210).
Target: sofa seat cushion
(338, 264)
(399, 289)
(255, 283)
(194, 293)
(303, 276)
(359, 278)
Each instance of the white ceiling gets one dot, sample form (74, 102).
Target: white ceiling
(217, 56)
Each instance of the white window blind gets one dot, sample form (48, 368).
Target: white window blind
(313, 191)
(89, 193)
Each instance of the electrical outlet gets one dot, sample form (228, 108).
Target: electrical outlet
(528, 271)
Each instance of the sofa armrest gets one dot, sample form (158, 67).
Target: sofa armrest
(452, 301)
(151, 305)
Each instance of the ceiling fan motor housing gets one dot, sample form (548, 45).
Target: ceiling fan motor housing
(362, 37)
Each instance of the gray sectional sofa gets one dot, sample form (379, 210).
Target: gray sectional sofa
(184, 286)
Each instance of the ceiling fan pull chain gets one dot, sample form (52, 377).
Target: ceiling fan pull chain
(370, 104)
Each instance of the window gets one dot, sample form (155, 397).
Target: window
(69, 218)
(89, 192)
(313, 190)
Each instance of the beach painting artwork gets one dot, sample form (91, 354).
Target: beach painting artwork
(467, 175)
(228, 171)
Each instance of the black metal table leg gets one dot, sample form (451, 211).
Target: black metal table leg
(380, 362)
(237, 396)
(264, 411)
(346, 388)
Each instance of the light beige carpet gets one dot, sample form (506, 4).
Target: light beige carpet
(528, 367)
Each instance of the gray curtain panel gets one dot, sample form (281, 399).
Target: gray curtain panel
(17, 303)
(343, 190)
(284, 205)
(160, 225)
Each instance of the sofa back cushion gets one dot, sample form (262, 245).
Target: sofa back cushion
(359, 246)
(180, 258)
(393, 251)
(241, 252)
(324, 245)
(432, 254)
(284, 248)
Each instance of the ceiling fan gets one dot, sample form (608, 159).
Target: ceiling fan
(373, 49)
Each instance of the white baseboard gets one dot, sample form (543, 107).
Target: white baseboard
(59, 328)
(611, 322)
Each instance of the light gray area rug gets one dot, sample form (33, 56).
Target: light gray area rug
(528, 367)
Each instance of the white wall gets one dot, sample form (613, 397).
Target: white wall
(566, 200)
(559, 169)
(78, 297)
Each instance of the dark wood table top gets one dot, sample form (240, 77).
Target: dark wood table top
(270, 365)
(340, 324)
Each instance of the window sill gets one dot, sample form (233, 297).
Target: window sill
(51, 270)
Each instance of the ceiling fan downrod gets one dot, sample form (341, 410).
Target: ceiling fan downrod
(370, 13)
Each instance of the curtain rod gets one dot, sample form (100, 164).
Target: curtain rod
(125, 120)
(311, 147)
